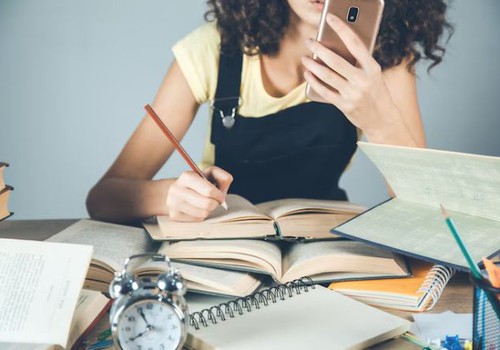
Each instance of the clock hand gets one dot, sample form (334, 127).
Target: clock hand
(148, 329)
(137, 336)
(143, 317)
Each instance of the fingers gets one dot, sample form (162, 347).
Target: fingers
(332, 59)
(221, 178)
(352, 41)
(192, 198)
(325, 74)
(325, 92)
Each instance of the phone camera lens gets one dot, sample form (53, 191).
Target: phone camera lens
(352, 15)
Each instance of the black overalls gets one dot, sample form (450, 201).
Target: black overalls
(299, 152)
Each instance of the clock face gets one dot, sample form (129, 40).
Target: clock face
(149, 325)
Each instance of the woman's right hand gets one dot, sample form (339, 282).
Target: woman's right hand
(192, 198)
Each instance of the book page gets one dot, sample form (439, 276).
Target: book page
(90, 306)
(238, 209)
(243, 220)
(206, 279)
(112, 243)
(253, 254)
(290, 206)
(420, 231)
(39, 287)
(309, 259)
(311, 226)
(466, 183)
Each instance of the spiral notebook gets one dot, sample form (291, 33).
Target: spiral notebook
(417, 293)
(294, 316)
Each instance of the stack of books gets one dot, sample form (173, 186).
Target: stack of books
(4, 194)
(233, 253)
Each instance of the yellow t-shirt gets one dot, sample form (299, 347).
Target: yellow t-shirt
(198, 57)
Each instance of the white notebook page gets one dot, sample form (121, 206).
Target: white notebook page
(316, 319)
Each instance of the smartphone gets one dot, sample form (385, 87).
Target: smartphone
(363, 16)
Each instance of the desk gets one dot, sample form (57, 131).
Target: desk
(457, 295)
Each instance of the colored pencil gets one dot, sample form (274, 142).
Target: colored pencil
(493, 272)
(473, 267)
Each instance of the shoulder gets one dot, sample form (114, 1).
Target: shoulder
(205, 37)
(198, 56)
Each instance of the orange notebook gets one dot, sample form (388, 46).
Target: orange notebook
(417, 293)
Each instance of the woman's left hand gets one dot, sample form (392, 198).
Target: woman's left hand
(360, 92)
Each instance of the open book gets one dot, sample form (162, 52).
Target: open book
(278, 219)
(39, 287)
(114, 243)
(323, 261)
(467, 185)
(90, 309)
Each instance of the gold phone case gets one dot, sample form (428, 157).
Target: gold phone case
(366, 26)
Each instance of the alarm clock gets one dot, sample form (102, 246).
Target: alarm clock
(147, 313)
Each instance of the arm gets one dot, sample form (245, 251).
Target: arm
(382, 104)
(127, 193)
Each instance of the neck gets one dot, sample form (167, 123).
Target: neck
(292, 46)
(284, 72)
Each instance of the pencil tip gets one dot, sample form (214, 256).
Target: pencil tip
(443, 210)
(224, 205)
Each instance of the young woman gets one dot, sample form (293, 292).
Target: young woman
(266, 140)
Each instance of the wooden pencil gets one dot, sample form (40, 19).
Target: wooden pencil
(177, 145)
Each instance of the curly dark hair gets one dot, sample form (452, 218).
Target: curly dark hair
(410, 29)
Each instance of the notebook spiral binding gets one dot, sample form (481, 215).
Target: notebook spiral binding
(434, 283)
(256, 300)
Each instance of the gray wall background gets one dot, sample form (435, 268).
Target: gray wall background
(74, 76)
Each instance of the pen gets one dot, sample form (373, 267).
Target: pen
(473, 267)
(177, 145)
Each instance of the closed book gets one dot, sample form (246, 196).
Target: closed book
(4, 202)
(2, 180)
(417, 293)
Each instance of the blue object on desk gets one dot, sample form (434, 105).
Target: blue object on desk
(452, 343)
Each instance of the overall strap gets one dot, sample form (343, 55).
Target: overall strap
(227, 95)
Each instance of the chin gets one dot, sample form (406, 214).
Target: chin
(307, 11)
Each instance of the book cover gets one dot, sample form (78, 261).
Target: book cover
(412, 224)
(420, 292)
